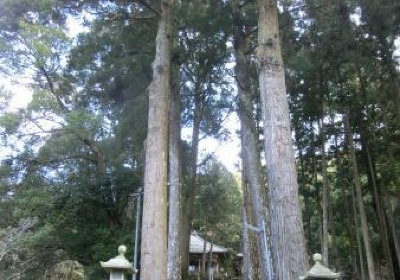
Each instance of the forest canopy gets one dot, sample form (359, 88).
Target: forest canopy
(123, 93)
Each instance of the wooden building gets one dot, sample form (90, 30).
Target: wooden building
(224, 261)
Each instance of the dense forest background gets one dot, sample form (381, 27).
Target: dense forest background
(73, 158)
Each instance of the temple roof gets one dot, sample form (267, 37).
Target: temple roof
(197, 245)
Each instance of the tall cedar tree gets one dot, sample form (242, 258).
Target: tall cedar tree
(289, 254)
(251, 155)
(154, 227)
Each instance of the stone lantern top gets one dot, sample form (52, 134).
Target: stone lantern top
(318, 271)
(119, 262)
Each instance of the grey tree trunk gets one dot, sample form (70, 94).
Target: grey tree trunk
(185, 238)
(251, 155)
(154, 225)
(289, 253)
(250, 251)
(357, 185)
(175, 171)
(248, 272)
(248, 265)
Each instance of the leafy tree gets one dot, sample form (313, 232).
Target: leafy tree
(217, 205)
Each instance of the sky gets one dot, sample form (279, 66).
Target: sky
(21, 95)
(227, 152)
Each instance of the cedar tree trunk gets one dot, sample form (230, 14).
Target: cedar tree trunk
(154, 226)
(289, 252)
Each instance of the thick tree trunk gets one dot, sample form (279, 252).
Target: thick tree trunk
(185, 238)
(248, 265)
(154, 225)
(357, 185)
(246, 248)
(289, 253)
(174, 226)
(249, 242)
(251, 155)
(252, 254)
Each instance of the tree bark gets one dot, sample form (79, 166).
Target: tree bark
(251, 256)
(289, 253)
(357, 185)
(248, 266)
(175, 171)
(249, 243)
(251, 155)
(154, 225)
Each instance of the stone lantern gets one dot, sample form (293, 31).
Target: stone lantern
(119, 267)
(318, 271)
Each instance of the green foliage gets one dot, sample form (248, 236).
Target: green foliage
(66, 270)
(89, 108)
(10, 122)
(43, 100)
(217, 205)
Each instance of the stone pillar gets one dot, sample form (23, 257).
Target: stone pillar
(318, 271)
(119, 267)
